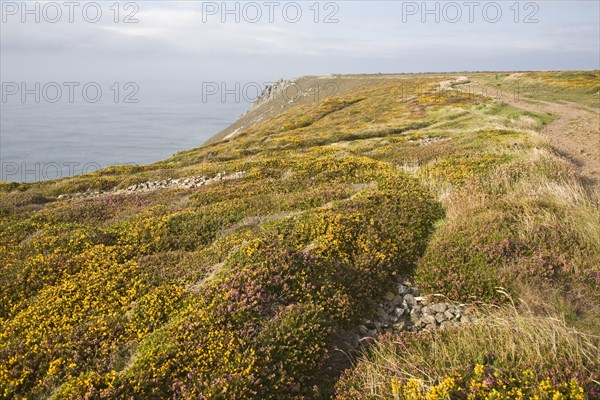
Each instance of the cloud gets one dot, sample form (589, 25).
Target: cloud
(171, 36)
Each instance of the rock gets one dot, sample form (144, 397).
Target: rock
(415, 311)
(401, 289)
(407, 311)
(397, 300)
(438, 308)
(414, 318)
(429, 327)
(428, 320)
(399, 326)
(409, 299)
(447, 324)
(440, 317)
(382, 315)
(389, 308)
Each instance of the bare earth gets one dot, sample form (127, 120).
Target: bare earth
(575, 134)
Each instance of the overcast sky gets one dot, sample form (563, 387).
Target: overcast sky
(187, 40)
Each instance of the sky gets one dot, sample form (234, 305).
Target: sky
(110, 82)
(263, 41)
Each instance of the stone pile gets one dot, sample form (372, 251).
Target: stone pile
(181, 183)
(406, 310)
(426, 141)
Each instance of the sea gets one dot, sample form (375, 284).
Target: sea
(52, 137)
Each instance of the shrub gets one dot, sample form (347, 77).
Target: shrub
(470, 260)
(349, 169)
(462, 261)
(461, 169)
(71, 327)
(262, 327)
(292, 349)
(141, 234)
(91, 385)
(192, 357)
(154, 309)
(193, 230)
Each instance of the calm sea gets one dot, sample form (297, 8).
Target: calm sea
(44, 140)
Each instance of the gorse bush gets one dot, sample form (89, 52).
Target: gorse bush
(330, 260)
(288, 291)
(461, 169)
(73, 325)
(483, 382)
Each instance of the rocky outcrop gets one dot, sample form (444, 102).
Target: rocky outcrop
(272, 91)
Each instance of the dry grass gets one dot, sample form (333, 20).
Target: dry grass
(543, 187)
(517, 339)
(575, 303)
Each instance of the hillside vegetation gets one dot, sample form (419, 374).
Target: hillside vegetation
(243, 288)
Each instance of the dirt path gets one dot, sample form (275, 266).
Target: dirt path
(575, 134)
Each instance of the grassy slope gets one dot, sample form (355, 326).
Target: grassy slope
(581, 87)
(239, 289)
